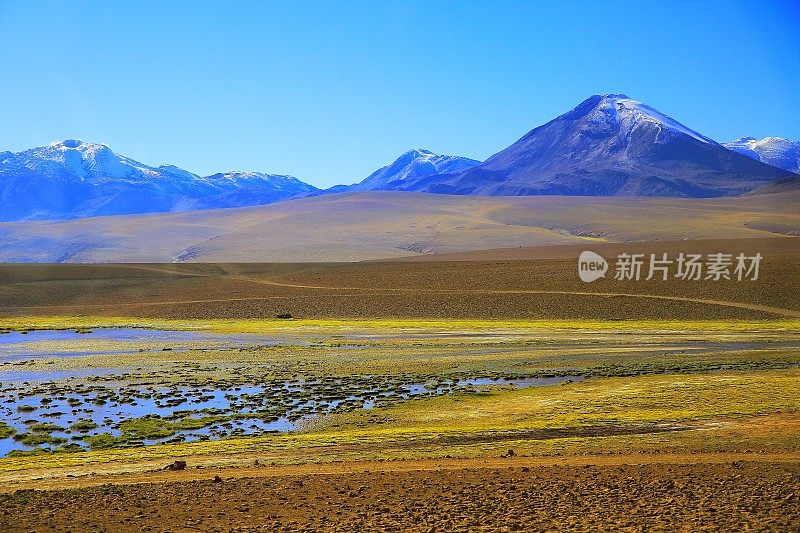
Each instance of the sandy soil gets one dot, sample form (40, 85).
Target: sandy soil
(384, 224)
(540, 287)
(719, 492)
(517, 495)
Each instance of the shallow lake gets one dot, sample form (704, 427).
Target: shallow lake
(69, 406)
(19, 345)
(226, 396)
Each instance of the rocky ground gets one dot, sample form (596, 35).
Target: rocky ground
(733, 496)
(530, 283)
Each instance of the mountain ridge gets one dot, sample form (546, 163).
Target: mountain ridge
(76, 179)
(775, 151)
(413, 164)
(609, 145)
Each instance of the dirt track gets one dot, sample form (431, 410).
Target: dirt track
(730, 496)
(475, 292)
(543, 287)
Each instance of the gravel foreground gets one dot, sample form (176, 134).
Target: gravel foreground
(737, 496)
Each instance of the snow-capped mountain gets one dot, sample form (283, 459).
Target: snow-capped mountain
(775, 151)
(72, 178)
(609, 145)
(411, 166)
(242, 189)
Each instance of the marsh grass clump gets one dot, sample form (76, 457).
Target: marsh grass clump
(44, 427)
(35, 439)
(147, 427)
(70, 447)
(196, 423)
(28, 453)
(101, 441)
(6, 431)
(83, 425)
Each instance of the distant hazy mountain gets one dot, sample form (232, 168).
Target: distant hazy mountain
(775, 151)
(609, 145)
(411, 166)
(241, 189)
(72, 179)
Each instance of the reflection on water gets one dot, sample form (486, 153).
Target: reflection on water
(241, 410)
(112, 334)
(244, 400)
(20, 345)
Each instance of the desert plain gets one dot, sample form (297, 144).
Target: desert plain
(462, 390)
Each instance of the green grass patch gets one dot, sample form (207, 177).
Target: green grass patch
(83, 425)
(102, 441)
(6, 431)
(147, 427)
(36, 439)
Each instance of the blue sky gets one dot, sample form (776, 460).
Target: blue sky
(330, 91)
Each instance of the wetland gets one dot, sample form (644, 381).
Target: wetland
(84, 387)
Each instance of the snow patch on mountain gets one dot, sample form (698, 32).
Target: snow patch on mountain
(775, 151)
(72, 178)
(608, 145)
(84, 160)
(413, 164)
(618, 110)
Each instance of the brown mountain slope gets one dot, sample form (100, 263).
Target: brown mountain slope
(374, 225)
